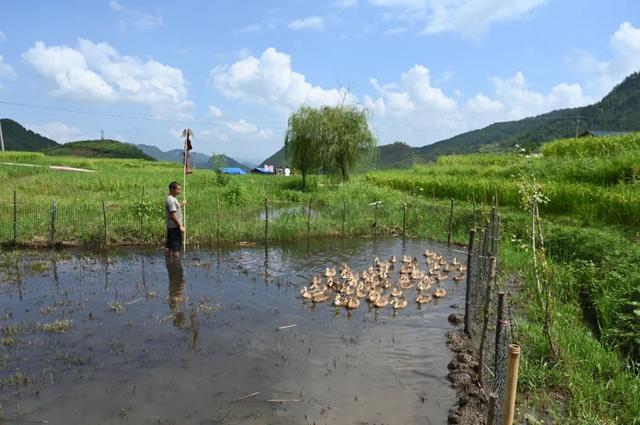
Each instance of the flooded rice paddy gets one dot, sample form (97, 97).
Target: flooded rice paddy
(125, 337)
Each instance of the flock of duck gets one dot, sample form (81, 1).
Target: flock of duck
(348, 287)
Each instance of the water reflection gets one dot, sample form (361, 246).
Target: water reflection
(177, 284)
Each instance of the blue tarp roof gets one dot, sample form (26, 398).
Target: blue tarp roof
(262, 171)
(233, 170)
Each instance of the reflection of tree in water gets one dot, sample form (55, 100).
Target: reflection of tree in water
(177, 284)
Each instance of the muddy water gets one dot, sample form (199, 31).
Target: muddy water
(152, 343)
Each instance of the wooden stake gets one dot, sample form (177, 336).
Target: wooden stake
(344, 216)
(104, 222)
(467, 298)
(142, 214)
(499, 325)
(491, 409)
(218, 218)
(52, 228)
(15, 217)
(266, 220)
(450, 222)
(509, 401)
(309, 220)
(404, 219)
(485, 324)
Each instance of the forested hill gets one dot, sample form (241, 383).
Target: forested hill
(617, 111)
(98, 149)
(18, 138)
(199, 159)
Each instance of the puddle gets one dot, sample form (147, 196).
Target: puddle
(127, 338)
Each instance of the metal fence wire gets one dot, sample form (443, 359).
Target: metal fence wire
(489, 326)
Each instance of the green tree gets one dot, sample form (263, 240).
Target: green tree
(218, 162)
(350, 139)
(303, 141)
(333, 138)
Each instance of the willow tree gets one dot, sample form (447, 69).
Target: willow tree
(332, 138)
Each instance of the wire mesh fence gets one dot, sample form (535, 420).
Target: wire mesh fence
(486, 321)
(216, 221)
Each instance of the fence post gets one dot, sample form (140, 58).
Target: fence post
(309, 220)
(266, 220)
(142, 214)
(15, 218)
(218, 218)
(52, 228)
(344, 216)
(450, 221)
(467, 297)
(491, 409)
(375, 217)
(404, 219)
(485, 324)
(509, 404)
(104, 216)
(474, 210)
(499, 325)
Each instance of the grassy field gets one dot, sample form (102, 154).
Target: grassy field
(590, 221)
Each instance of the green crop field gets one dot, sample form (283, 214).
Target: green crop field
(590, 221)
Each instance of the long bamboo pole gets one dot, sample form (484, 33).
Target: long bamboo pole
(511, 385)
(184, 194)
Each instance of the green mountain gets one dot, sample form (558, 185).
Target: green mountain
(18, 138)
(98, 149)
(175, 155)
(617, 111)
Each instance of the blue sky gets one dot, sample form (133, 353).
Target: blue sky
(234, 71)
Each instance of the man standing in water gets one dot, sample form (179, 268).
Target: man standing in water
(175, 229)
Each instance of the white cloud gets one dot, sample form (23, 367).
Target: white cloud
(58, 131)
(625, 45)
(271, 80)
(97, 72)
(414, 109)
(135, 18)
(414, 93)
(245, 128)
(215, 112)
(513, 99)
(3, 36)
(308, 23)
(467, 17)
(6, 70)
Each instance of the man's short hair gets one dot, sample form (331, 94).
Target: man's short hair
(173, 185)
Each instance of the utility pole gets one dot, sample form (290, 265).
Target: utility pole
(577, 121)
(1, 137)
(101, 134)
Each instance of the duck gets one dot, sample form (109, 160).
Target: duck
(381, 301)
(306, 293)
(373, 296)
(360, 291)
(458, 277)
(424, 298)
(404, 282)
(397, 292)
(439, 293)
(455, 261)
(417, 274)
(330, 272)
(320, 297)
(424, 285)
(462, 267)
(399, 303)
(340, 300)
(353, 303)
